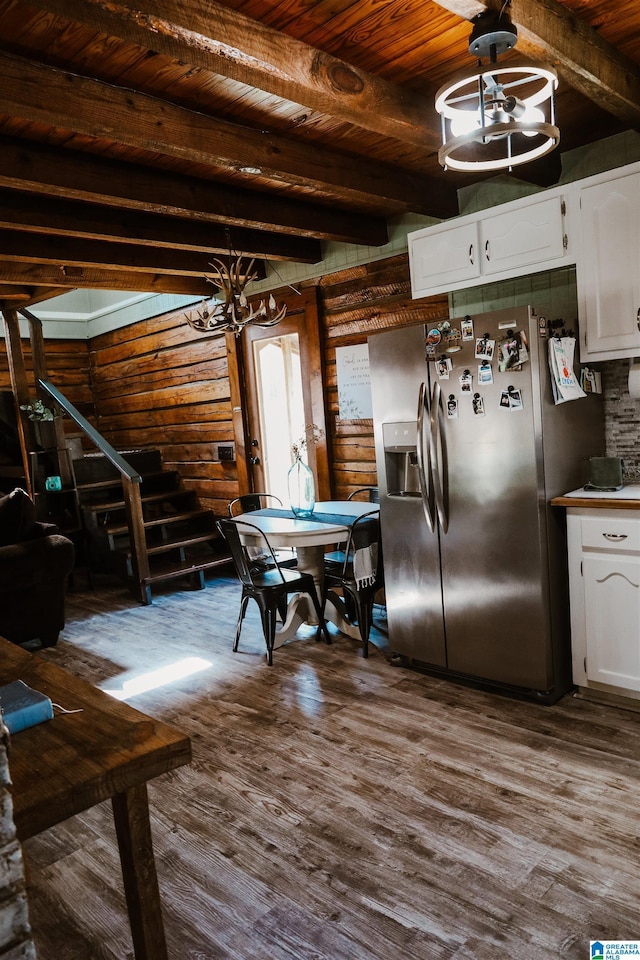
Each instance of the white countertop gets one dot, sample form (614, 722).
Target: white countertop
(630, 491)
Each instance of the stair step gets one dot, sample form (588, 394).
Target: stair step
(95, 466)
(114, 530)
(183, 568)
(150, 498)
(117, 481)
(187, 541)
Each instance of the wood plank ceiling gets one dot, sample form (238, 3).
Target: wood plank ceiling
(139, 139)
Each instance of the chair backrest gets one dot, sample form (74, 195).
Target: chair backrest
(249, 502)
(373, 494)
(231, 531)
(364, 534)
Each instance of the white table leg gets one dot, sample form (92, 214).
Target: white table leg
(300, 608)
(336, 612)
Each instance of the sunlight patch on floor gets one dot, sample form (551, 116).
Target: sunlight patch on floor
(161, 677)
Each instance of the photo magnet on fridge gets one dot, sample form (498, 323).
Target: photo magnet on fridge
(443, 368)
(485, 348)
(466, 328)
(485, 373)
(478, 405)
(512, 351)
(515, 399)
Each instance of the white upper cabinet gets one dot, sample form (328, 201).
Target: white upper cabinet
(524, 236)
(446, 255)
(608, 268)
(527, 238)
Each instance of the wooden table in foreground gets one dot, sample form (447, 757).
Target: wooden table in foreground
(75, 761)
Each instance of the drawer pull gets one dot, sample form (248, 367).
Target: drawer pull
(616, 537)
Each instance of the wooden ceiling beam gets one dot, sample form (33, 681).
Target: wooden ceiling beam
(28, 295)
(224, 41)
(64, 278)
(549, 32)
(14, 292)
(70, 252)
(71, 218)
(84, 176)
(106, 112)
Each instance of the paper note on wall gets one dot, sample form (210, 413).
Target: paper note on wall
(354, 384)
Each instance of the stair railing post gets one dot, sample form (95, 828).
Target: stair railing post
(139, 555)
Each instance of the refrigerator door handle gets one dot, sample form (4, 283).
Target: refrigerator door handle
(438, 457)
(422, 443)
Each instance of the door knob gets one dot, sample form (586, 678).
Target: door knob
(254, 460)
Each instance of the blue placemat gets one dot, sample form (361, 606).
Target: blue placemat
(344, 519)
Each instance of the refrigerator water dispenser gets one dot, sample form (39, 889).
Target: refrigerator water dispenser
(401, 459)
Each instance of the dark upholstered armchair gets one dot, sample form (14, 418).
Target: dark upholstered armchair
(35, 561)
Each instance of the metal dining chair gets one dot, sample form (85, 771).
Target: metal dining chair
(249, 502)
(373, 495)
(270, 587)
(357, 572)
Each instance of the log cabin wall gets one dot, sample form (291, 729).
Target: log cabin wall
(68, 368)
(160, 384)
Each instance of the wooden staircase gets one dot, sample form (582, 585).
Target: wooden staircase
(180, 539)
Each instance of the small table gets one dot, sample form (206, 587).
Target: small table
(75, 761)
(309, 538)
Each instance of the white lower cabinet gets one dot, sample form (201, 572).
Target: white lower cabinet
(604, 579)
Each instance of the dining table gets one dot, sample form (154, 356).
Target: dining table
(309, 536)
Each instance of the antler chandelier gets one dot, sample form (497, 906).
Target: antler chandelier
(235, 311)
(497, 117)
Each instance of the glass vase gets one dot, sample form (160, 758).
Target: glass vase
(302, 494)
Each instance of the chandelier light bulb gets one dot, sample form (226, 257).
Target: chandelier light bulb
(465, 121)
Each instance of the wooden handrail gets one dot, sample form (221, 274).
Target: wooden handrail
(96, 438)
(131, 481)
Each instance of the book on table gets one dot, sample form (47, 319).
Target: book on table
(22, 706)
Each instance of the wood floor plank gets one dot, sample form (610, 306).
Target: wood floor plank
(339, 808)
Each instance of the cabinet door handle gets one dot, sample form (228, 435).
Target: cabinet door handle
(487, 250)
(638, 318)
(471, 262)
(616, 537)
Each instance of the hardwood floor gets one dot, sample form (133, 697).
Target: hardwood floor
(343, 809)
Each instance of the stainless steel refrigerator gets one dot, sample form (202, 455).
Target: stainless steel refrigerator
(474, 556)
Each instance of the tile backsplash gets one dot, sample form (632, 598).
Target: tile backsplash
(622, 417)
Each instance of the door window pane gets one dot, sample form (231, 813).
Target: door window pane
(281, 407)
